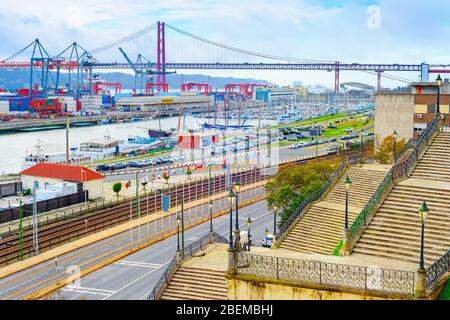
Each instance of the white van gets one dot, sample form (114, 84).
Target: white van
(267, 242)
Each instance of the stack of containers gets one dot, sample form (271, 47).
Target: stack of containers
(40, 105)
(91, 104)
(19, 104)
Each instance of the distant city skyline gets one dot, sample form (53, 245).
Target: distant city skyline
(364, 31)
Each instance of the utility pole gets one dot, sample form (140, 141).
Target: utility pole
(138, 211)
(20, 229)
(67, 140)
(35, 224)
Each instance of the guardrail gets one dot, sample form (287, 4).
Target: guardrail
(312, 197)
(10, 177)
(436, 271)
(398, 171)
(327, 274)
(186, 253)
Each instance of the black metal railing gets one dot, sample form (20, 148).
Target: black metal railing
(327, 274)
(398, 171)
(409, 145)
(201, 244)
(314, 196)
(188, 252)
(436, 271)
(165, 279)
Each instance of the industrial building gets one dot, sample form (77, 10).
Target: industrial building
(409, 112)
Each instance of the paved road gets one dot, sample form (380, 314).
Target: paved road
(30, 280)
(135, 276)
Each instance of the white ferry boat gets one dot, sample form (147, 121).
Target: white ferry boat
(39, 156)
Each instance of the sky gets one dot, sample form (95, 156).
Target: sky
(363, 31)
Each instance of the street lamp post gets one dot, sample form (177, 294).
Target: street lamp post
(362, 146)
(230, 198)
(237, 189)
(423, 213)
(395, 135)
(275, 240)
(178, 232)
(421, 291)
(438, 83)
(249, 236)
(345, 248)
(211, 206)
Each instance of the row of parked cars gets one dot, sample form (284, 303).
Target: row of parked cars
(139, 164)
(303, 144)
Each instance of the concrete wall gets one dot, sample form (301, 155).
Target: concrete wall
(239, 289)
(394, 112)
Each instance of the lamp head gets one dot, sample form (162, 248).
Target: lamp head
(347, 183)
(178, 221)
(266, 232)
(249, 222)
(395, 134)
(211, 204)
(423, 211)
(230, 197)
(439, 80)
(236, 186)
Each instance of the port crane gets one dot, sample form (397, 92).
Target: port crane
(148, 72)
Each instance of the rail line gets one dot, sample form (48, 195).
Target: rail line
(58, 233)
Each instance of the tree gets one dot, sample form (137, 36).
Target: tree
(385, 150)
(289, 188)
(117, 187)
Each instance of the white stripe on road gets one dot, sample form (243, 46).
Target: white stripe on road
(139, 264)
(94, 291)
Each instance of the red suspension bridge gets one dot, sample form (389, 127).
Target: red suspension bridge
(176, 50)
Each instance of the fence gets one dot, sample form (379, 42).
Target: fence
(10, 177)
(398, 171)
(436, 271)
(327, 274)
(11, 188)
(187, 252)
(43, 206)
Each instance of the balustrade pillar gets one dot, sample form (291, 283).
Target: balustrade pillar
(420, 291)
(345, 251)
(232, 261)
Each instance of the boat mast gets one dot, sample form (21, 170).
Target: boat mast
(67, 140)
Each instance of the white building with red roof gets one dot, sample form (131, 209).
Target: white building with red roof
(44, 176)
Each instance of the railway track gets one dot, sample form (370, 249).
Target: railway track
(60, 232)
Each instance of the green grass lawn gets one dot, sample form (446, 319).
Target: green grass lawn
(445, 294)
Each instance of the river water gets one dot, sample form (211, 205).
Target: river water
(14, 147)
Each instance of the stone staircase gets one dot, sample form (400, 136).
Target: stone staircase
(190, 283)
(320, 228)
(435, 163)
(395, 230)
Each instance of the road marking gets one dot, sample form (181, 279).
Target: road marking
(193, 239)
(134, 281)
(95, 291)
(139, 264)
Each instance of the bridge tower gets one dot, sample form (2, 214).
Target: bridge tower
(379, 80)
(336, 77)
(161, 55)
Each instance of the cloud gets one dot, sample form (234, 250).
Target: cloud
(410, 31)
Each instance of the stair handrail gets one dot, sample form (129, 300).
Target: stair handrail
(409, 145)
(397, 172)
(187, 252)
(314, 196)
(436, 271)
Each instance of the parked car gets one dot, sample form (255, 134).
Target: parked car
(135, 164)
(103, 168)
(118, 166)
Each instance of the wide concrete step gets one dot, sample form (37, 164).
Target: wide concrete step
(196, 284)
(390, 255)
(401, 238)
